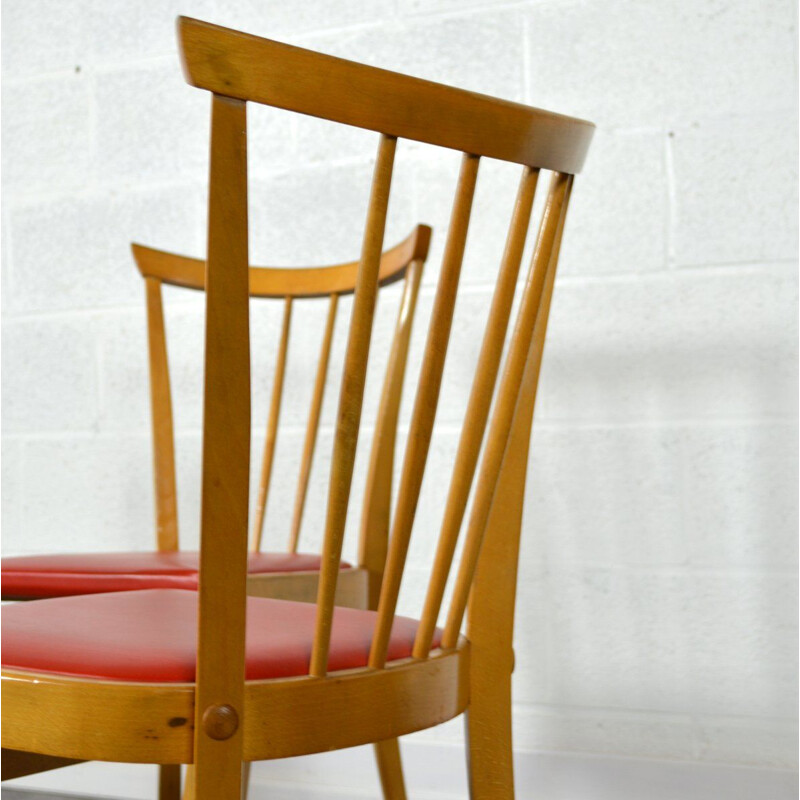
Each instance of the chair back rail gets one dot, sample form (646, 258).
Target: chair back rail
(166, 499)
(236, 64)
(281, 282)
(237, 67)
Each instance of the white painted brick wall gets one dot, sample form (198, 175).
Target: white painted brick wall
(657, 591)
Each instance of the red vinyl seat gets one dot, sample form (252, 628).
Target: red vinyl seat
(151, 636)
(33, 577)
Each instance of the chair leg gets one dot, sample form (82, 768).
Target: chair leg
(169, 782)
(188, 788)
(390, 769)
(245, 779)
(490, 762)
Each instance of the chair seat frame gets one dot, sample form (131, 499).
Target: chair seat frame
(152, 722)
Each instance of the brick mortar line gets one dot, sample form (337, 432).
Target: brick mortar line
(671, 206)
(408, 19)
(569, 711)
(444, 428)
(689, 273)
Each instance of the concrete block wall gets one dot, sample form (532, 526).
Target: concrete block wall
(657, 589)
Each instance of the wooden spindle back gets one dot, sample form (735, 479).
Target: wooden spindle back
(240, 67)
(404, 262)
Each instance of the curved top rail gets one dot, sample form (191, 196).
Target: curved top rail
(235, 64)
(188, 272)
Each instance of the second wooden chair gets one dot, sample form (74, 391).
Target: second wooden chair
(289, 575)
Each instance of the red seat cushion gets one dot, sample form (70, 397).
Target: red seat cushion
(31, 577)
(151, 635)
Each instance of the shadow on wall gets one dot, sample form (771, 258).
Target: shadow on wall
(660, 532)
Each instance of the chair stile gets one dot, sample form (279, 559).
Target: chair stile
(162, 422)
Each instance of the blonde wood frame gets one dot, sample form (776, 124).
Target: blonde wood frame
(233, 719)
(281, 282)
(166, 497)
(236, 64)
(403, 262)
(152, 723)
(358, 586)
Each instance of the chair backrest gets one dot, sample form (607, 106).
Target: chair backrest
(238, 68)
(403, 262)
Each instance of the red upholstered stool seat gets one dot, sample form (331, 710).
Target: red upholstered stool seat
(31, 577)
(151, 635)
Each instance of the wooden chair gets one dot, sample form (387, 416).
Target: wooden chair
(290, 575)
(121, 677)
